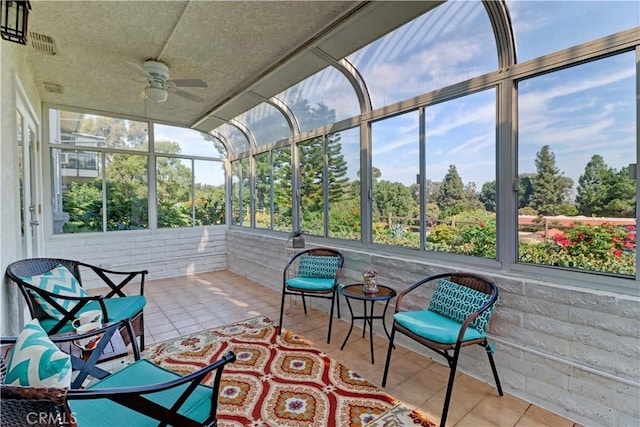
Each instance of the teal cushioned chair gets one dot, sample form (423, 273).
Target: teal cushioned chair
(116, 306)
(457, 316)
(313, 273)
(141, 394)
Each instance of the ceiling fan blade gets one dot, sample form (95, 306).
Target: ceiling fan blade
(138, 69)
(189, 96)
(188, 82)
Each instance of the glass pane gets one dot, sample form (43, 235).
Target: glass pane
(312, 187)
(395, 167)
(77, 189)
(177, 140)
(324, 98)
(173, 182)
(460, 157)
(127, 192)
(266, 123)
(235, 193)
(235, 138)
(449, 44)
(577, 136)
(343, 154)
(543, 27)
(88, 130)
(209, 186)
(263, 190)
(282, 191)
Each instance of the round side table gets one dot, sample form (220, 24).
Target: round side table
(356, 292)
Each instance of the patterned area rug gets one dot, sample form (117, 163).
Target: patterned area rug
(281, 380)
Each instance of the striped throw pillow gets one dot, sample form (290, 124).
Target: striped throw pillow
(59, 281)
(35, 361)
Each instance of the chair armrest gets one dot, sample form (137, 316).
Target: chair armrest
(116, 289)
(134, 397)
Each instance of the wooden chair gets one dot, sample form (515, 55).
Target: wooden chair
(457, 316)
(313, 273)
(141, 394)
(116, 306)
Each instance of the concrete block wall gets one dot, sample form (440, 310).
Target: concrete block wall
(571, 350)
(165, 252)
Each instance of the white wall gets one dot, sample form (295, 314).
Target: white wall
(570, 350)
(166, 252)
(12, 67)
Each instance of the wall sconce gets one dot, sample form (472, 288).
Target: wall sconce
(13, 20)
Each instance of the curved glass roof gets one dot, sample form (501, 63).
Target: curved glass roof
(449, 44)
(266, 123)
(324, 98)
(237, 141)
(542, 27)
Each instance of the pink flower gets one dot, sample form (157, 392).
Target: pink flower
(617, 253)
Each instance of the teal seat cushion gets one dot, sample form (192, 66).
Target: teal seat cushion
(310, 283)
(435, 327)
(118, 308)
(105, 412)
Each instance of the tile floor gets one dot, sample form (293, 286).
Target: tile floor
(181, 305)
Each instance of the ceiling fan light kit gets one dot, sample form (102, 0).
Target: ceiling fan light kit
(159, 85)
(156, 94)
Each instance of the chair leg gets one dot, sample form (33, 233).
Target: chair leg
(333, 300)
(134, 340)
(453, 364)
(493, 369)
(281, 311)
(142, 332)
(386, 364)
(304, 304)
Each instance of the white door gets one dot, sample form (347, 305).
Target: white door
(31, 206)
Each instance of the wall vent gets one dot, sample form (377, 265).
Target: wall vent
(52, 87)
(42, 43)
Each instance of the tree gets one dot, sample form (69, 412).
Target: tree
(525, 190)
(392, 199)
(594, 187)
(451, 191)
(488, 196)
(621, 197)
(550, 187)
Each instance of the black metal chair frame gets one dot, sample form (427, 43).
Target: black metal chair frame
(130, 397)
(290, 272)
(469, 280)
(37, 266)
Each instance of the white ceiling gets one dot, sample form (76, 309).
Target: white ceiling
(236, 47)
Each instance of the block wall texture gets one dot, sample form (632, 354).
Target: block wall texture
(571, 350)
(165, 253)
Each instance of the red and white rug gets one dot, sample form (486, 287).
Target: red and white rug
(281, 380)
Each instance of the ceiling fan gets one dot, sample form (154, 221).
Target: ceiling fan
(159, 85)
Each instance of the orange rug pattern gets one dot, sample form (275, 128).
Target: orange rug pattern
(276, 380)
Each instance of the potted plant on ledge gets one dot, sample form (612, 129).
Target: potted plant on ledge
(297, 238)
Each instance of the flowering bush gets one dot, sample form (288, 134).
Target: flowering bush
(605, 247)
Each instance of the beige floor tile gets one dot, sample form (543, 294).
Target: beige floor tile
(213, 299)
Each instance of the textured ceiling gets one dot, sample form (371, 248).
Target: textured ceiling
(228, 44)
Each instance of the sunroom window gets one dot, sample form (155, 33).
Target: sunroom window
(576, 155)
